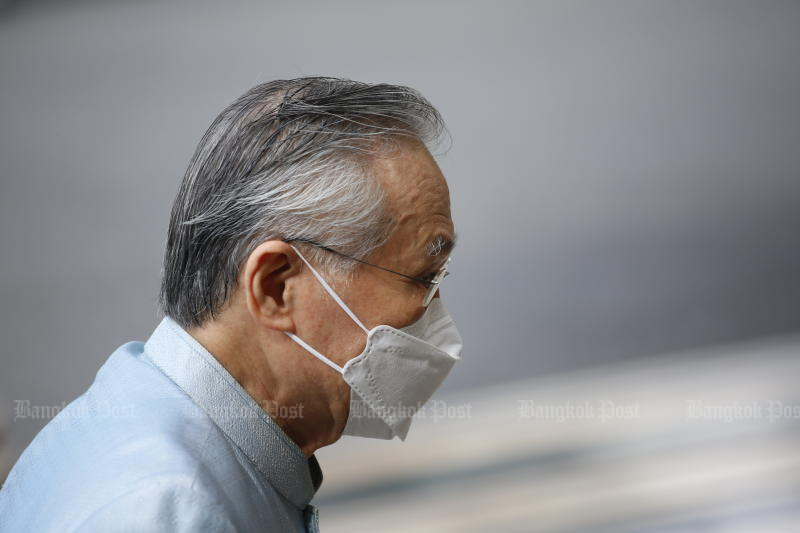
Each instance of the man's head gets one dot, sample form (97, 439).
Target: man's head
(336, 162)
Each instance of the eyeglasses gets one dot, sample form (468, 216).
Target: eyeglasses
(432, 283)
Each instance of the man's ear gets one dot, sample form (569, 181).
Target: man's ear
(264, 281)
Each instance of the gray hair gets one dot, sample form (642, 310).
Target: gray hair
(288, 159)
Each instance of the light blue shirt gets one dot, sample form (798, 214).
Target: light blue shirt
(165, 439)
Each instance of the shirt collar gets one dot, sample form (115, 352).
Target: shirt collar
(184, 360)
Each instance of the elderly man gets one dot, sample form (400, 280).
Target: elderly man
(305, 251)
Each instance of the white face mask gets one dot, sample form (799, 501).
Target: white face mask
(398, 371)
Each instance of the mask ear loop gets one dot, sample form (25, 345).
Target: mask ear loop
(318, 355)
(332, 292)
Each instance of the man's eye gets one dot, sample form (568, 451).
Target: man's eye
(429, 277)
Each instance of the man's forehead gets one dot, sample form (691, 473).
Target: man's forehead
(418, 196)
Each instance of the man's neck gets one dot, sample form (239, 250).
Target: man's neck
(303, 413)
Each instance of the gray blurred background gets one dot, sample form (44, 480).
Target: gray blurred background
(625, 176)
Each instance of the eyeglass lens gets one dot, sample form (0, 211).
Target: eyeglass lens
(435, 284)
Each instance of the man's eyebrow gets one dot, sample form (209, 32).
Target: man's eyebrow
(441, 245)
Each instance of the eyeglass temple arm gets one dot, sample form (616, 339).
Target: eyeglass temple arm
(309, 241)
